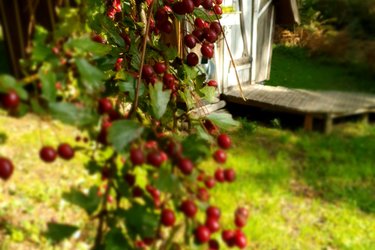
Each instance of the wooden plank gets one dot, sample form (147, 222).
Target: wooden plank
(308, 122)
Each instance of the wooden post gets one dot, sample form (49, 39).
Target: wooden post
(328, 124)
(308, 122)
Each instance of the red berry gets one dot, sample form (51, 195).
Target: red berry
(207, 4)
(209, 182)
(219, 175)
(220, 156)
(212, 224)
(186, 166)
(192, 59)
(155, 158)
(230, 174)
(167, 217)
(166, 27)
(161, 15)
(174, 149)
(197, 3)
(147, 71)
(219, 1)
(65, 151)
(136, 156)
(215, 26)
(137, 191)
(190, 41)
(189, 208)
(240, 240)
(228, 237)
(199, 23)
(154, 192)
(242, 211)
(213, 212)
(199, 34)
(212, 83)
(10, 100)
(160, 67)
(240, 221)
(99, 39)
(203, 194)
(210, 35)
(47, 154)
(169, 80)
(179, 8)
(207, 51)
(213, 245)
(105, 106)
(224, 141)
(6, 168)
(188, 6)
(218, 10)
(130, 179)
(202, 234)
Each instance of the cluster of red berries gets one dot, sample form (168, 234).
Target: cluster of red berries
(49, 154)
(151, 75)
(6, 168)
(114, 8)
(9, 100)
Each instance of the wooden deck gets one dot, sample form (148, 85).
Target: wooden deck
(326, 105)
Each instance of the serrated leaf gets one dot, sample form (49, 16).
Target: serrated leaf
(223, 120)
(209, 94)
(115, 240)
(141, 220)
(8, 82)
(201, 13)
(188, 98)
(71, 114)
(57, 232)
(159, 99)
(89, 202)
(90, 76)
(40, 51)
(85, 44)
(121, 133)
(129, 87)
(110, 29)
(195, 148)
(48, 79)
(166, 182)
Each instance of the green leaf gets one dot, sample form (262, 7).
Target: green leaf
(223, 120)
(73, 115)
(188, 98)
(195, 148)
(209, 94)
(40, 51)
(167, 181)
(159, 99)
(91, 77)
(130, 88)
(111, 30)
(85, 44)
(57, 232)
(201, 13)
(8, 82)
(121, 133)
(141, 220)
(115, 240)
(48, 79)
(89, 202)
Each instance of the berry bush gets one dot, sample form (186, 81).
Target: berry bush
(117, 71)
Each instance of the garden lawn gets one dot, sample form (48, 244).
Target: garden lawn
(303, 190)
(293, 67)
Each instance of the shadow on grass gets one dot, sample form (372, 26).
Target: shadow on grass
(336, 168)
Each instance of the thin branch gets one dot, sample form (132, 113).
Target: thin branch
(139, 80)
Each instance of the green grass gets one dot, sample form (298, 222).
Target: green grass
(292, 67)
(303, 190)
